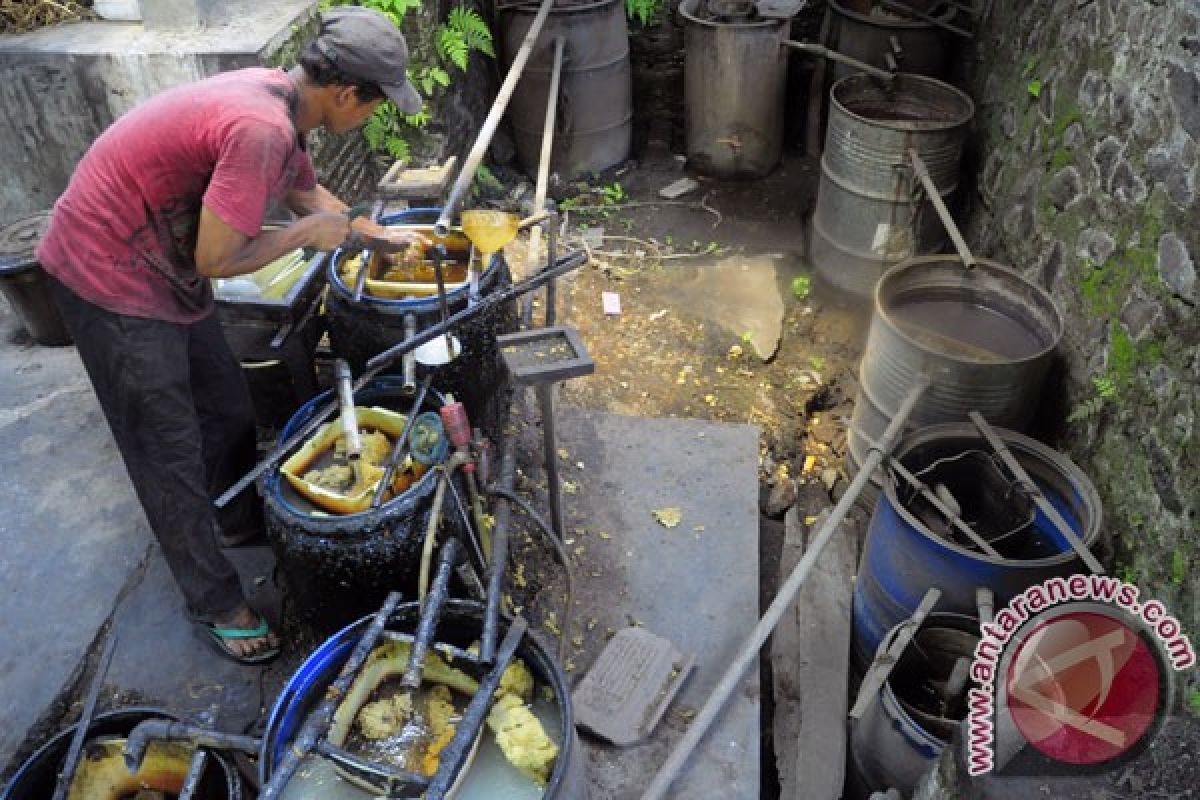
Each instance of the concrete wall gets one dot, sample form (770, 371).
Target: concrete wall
(61, 87)
(1088, 125)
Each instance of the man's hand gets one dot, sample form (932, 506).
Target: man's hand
(222, 251)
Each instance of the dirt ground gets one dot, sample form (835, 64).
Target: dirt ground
(673, 352)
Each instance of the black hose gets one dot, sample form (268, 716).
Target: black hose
(563, 559)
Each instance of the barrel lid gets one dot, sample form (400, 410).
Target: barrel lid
(19, 239)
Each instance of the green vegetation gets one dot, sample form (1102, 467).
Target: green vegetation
(464, 32)
(1194, 701)
(801, 286)
(1178, 568)
(647, 12)
(1034, 87)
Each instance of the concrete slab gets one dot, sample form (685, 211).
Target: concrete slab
(695, 583)
(739, 293)
(71, 530)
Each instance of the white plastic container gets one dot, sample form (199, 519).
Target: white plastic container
(119, 10)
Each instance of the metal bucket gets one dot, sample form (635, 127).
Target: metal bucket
(359, 331)
(902, 733)
(340, 567)
(870, 212)
(37, 776)
(25, 285)
(461, 625)
(903, 556)
(735, 78)
(868, 37)
(968, 315)
(594, 122)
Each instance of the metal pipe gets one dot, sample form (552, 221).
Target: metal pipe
(834, 55)
(71, 762)
(475, 157)
(431, 612)
(1035, 493)
(816, 92)
(551, 253)
(165, 730)
(545, 396)
(455, 754)
(316, 724)
(935, 197)
(345, 392)
(439, 274)
(409, 369)
(543, 176)
(401, 443)
(932, 20)
(380, 362)
(498, 563)
(888, 655)
(783, 601)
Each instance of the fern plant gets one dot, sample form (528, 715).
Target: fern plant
(464, 32)
(647, 12)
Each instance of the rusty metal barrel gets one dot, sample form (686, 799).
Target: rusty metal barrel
(735, 75)
(594, 122)
(871, 212)
(924, 48)
(984, 335)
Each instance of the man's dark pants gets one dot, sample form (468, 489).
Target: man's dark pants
(180, 411)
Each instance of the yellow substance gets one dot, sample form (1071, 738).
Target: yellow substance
(489, 230)
(442, 717)
(521, 738)
(381, 719)
(517, 680)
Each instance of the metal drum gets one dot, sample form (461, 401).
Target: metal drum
(25, 284)
(594, 122)
(907, 550)
(902, 733)
(870, 212)
(924, 47)
(735, 77)
(985, 336)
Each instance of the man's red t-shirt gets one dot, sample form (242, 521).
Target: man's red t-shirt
(123, 234)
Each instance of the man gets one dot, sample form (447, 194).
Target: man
(169, 197)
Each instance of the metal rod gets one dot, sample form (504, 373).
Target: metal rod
(782, 602)
(455, 754)
(551, 253)
(834, 55)
(932, 20)
(439, 255)
(317, 723)
(498, 565)
(199, 762)
(816, 92)
(165, 730)
(543, 174)
(888, 655)
(431, 612)
(1035, 492)
(380, 362)
(360, 280)
(896, 466)
(935, 197)
(409, 362)
(71, 762)
(475, 157)
(545, 396)
(401, 444)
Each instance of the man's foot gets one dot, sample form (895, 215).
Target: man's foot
(243, 635)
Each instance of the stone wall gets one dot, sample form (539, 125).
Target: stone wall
(1086, 150)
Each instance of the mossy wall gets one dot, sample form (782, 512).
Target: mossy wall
(1087, 124)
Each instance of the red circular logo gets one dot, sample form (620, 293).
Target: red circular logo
(1083, 687)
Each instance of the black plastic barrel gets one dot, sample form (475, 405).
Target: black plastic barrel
(461, 625)
(24, 283)
(37, 776)
(359, 331)
(340, 567)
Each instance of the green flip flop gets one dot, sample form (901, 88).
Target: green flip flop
(219, 635)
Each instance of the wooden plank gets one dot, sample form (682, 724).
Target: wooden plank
(810, 660)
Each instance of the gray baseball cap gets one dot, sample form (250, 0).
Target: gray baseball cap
(363, 43)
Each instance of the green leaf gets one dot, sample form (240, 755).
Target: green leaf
(1178, 568)
(1194, 701)
(801, 286)
(1035, 88)
(453, 47)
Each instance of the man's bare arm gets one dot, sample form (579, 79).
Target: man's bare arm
(223, 251)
